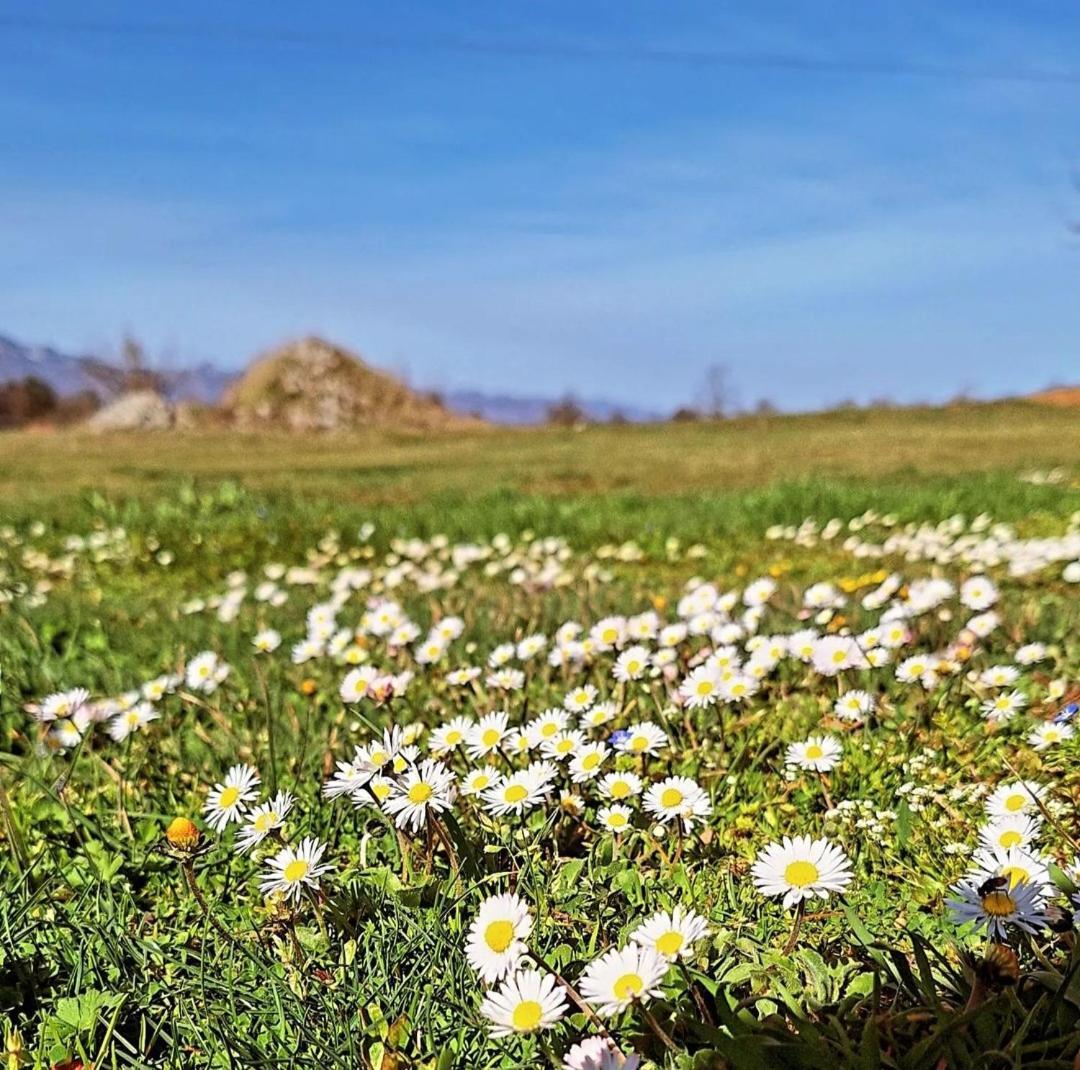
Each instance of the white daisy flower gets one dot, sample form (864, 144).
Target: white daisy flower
(424, 787)
(672, 935)
(801, 868)
(295, 868)
(615, 818)
(620, 785)
(263, 819)
(678, 798)
(1049, 734)
(1017, 797)
(1010, 830)
(620, 976)
(598, 1053)
(485, 736)
(642, 738)
(818, 753)
(228, 800)
(497, 936)
(527, 1002)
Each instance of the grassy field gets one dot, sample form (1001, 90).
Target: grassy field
(122, 559)
(905, 444)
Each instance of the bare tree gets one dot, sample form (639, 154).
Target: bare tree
(130, 373)
(719, 394)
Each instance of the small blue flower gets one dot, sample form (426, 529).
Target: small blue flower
(1066, 713)
(620, 735)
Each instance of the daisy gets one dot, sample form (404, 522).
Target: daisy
(357, 683)
(978, 593)
(263, 819)
(62, 704)
(485, 736)
(293, 869)
(1030, 653)
(424, 787)
(854, 705)
(1011, 830)
(266, 641)
(517, 793)
(619, 977)
(598, 1053)
(1003, 707)
(350, 777)
(818, 753)
(993, 906)
(620, 785)
(631, 664)
(450, 736)
(227, 801)
(506, 679)
(131, 720)
(642, 738)
(527, 1002)
(497, 936)
(701, 687)
(615, 818)
(608, 633)
(600, 714)
(563, 745)
(462, 677)
(204, 672)
(546, 725)
(999, 676)
(672, 935)
(1018, 797)
(580, 699)
(1014, 863)
(587, 761)
(1049, 734)
(800, 868)
(479, 780)
(677, 797)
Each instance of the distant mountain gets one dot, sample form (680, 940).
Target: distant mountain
(208, 385)
(69, 375)
(508, 409)
(65, 374)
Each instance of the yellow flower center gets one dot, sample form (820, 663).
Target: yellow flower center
(564, 746)
(628, 986)
(1012, 838)
(704, 687)
(526, 1015)
(671, 797)
(670, 943)
(498, 935)
(813, 752)
(1016, 874)
(1015, 802)
(633, 666)
(639, 743)
(453, 737)
(264, 822)
(620, 789)
(378, 757)
(380, 791)
(800, 874)
(420, 793)
(838, 656)
(610, 635)
(296, 870)
(616, 820)
(590, 761)
(490, 737)
(515, 793)
(480, 782)
(998, 904)
(228, 797)
(549, 729)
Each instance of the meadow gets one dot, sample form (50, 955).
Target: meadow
(743, 745)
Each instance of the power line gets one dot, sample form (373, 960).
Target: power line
(573, 51)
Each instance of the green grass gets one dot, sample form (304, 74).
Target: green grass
(905, 444)
(106, 955)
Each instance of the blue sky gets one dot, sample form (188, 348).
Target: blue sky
(529, 198)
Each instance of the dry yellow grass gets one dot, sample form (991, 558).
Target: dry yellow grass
(397, 466)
